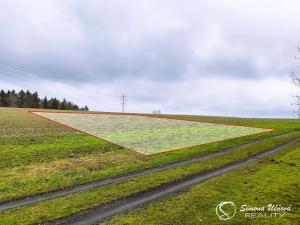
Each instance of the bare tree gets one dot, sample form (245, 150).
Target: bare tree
(295, 75)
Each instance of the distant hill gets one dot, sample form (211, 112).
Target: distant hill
(28, 99)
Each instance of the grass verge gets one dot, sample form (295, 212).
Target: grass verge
(275, 180)
(68, 205)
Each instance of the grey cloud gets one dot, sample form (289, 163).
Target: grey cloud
(228, 68)
(98, 42)
(112, 40)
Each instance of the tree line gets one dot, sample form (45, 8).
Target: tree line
(26, 99)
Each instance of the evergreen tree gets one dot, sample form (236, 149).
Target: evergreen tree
(45, 104)
(28, 99)
(35, 101)
(69, 106)
(63, 105)
(32, 100)
(75, 107)
(55, 104)
(2, 98)
(11, 99)
(85, 108)
(21, 99)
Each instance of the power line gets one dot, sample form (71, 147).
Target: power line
(16, 66)
(15, 72)
(24, 76)
(12, 71)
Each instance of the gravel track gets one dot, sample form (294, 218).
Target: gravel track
(98, 214)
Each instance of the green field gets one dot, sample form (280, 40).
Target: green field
(38, 155)
(275, 180)
(149, 135)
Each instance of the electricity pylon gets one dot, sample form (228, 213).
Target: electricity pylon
(123, 102)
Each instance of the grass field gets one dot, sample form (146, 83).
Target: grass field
(68, 205)
(274, 181)
(150, 135)
(38, 155)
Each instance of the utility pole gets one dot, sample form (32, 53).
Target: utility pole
(123, 102)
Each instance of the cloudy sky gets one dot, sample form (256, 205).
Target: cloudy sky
(213, 57)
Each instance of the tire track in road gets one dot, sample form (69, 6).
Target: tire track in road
(96, 215)
(30, 200)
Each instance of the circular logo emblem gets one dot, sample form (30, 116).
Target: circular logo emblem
(225, 210)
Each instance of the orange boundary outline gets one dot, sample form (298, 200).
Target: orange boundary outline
(33, 112)
(83, 132)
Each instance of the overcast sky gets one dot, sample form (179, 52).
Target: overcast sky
(213, 57)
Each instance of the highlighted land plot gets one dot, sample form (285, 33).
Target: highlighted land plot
(149, 135)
